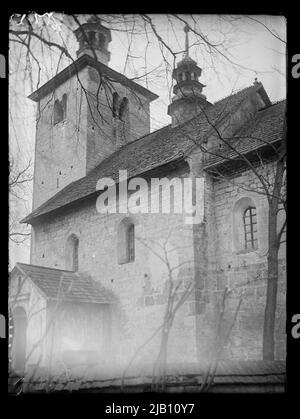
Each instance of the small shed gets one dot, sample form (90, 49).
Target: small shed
(60, 319)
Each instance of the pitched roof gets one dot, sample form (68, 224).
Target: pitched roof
(151, 151)
(56, 284)
(78, 65)
(264, 129)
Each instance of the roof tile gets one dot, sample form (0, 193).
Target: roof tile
(66, 285)
(265, 128)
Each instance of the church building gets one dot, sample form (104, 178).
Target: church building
(98, 285)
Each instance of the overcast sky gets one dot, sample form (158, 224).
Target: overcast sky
(251, 51)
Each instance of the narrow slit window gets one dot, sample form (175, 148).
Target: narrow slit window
(126, 241)
(75, 254)
(64, 105)
(58, 112)
(72, 253)
(130, 243)
(91, 37)
(123, 109)
(115, 103)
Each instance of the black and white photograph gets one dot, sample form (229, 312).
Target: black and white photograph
(147, 205)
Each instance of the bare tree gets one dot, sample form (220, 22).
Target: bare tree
(20, 179)
(178, 293)
(270, 171)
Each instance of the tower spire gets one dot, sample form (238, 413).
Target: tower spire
(186, 30)
(188, 99)
(93, 40)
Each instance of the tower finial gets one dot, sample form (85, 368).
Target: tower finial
(188, 99)
(186, 30)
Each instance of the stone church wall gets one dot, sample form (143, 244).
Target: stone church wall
(141, 286)
(246, 272)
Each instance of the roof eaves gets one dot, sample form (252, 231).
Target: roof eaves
(58, 79)
(38, 212)
(224, 160)
(43, 205)
(87, 299)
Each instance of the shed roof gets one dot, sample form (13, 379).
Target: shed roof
(58, 284)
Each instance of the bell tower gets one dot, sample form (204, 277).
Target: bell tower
(85, 113)
(93, 39)
(188, 98)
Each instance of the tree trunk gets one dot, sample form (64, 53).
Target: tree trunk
(272, 283)
(272, 260)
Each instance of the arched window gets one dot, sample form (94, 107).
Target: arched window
(245, 225)
(115, 104)
(250, 228)
(123, 109)
(91, 37)
(126, 241)
(58, 112)
(72, 248)
(130, 243)
(101, 40)
(64, 105)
